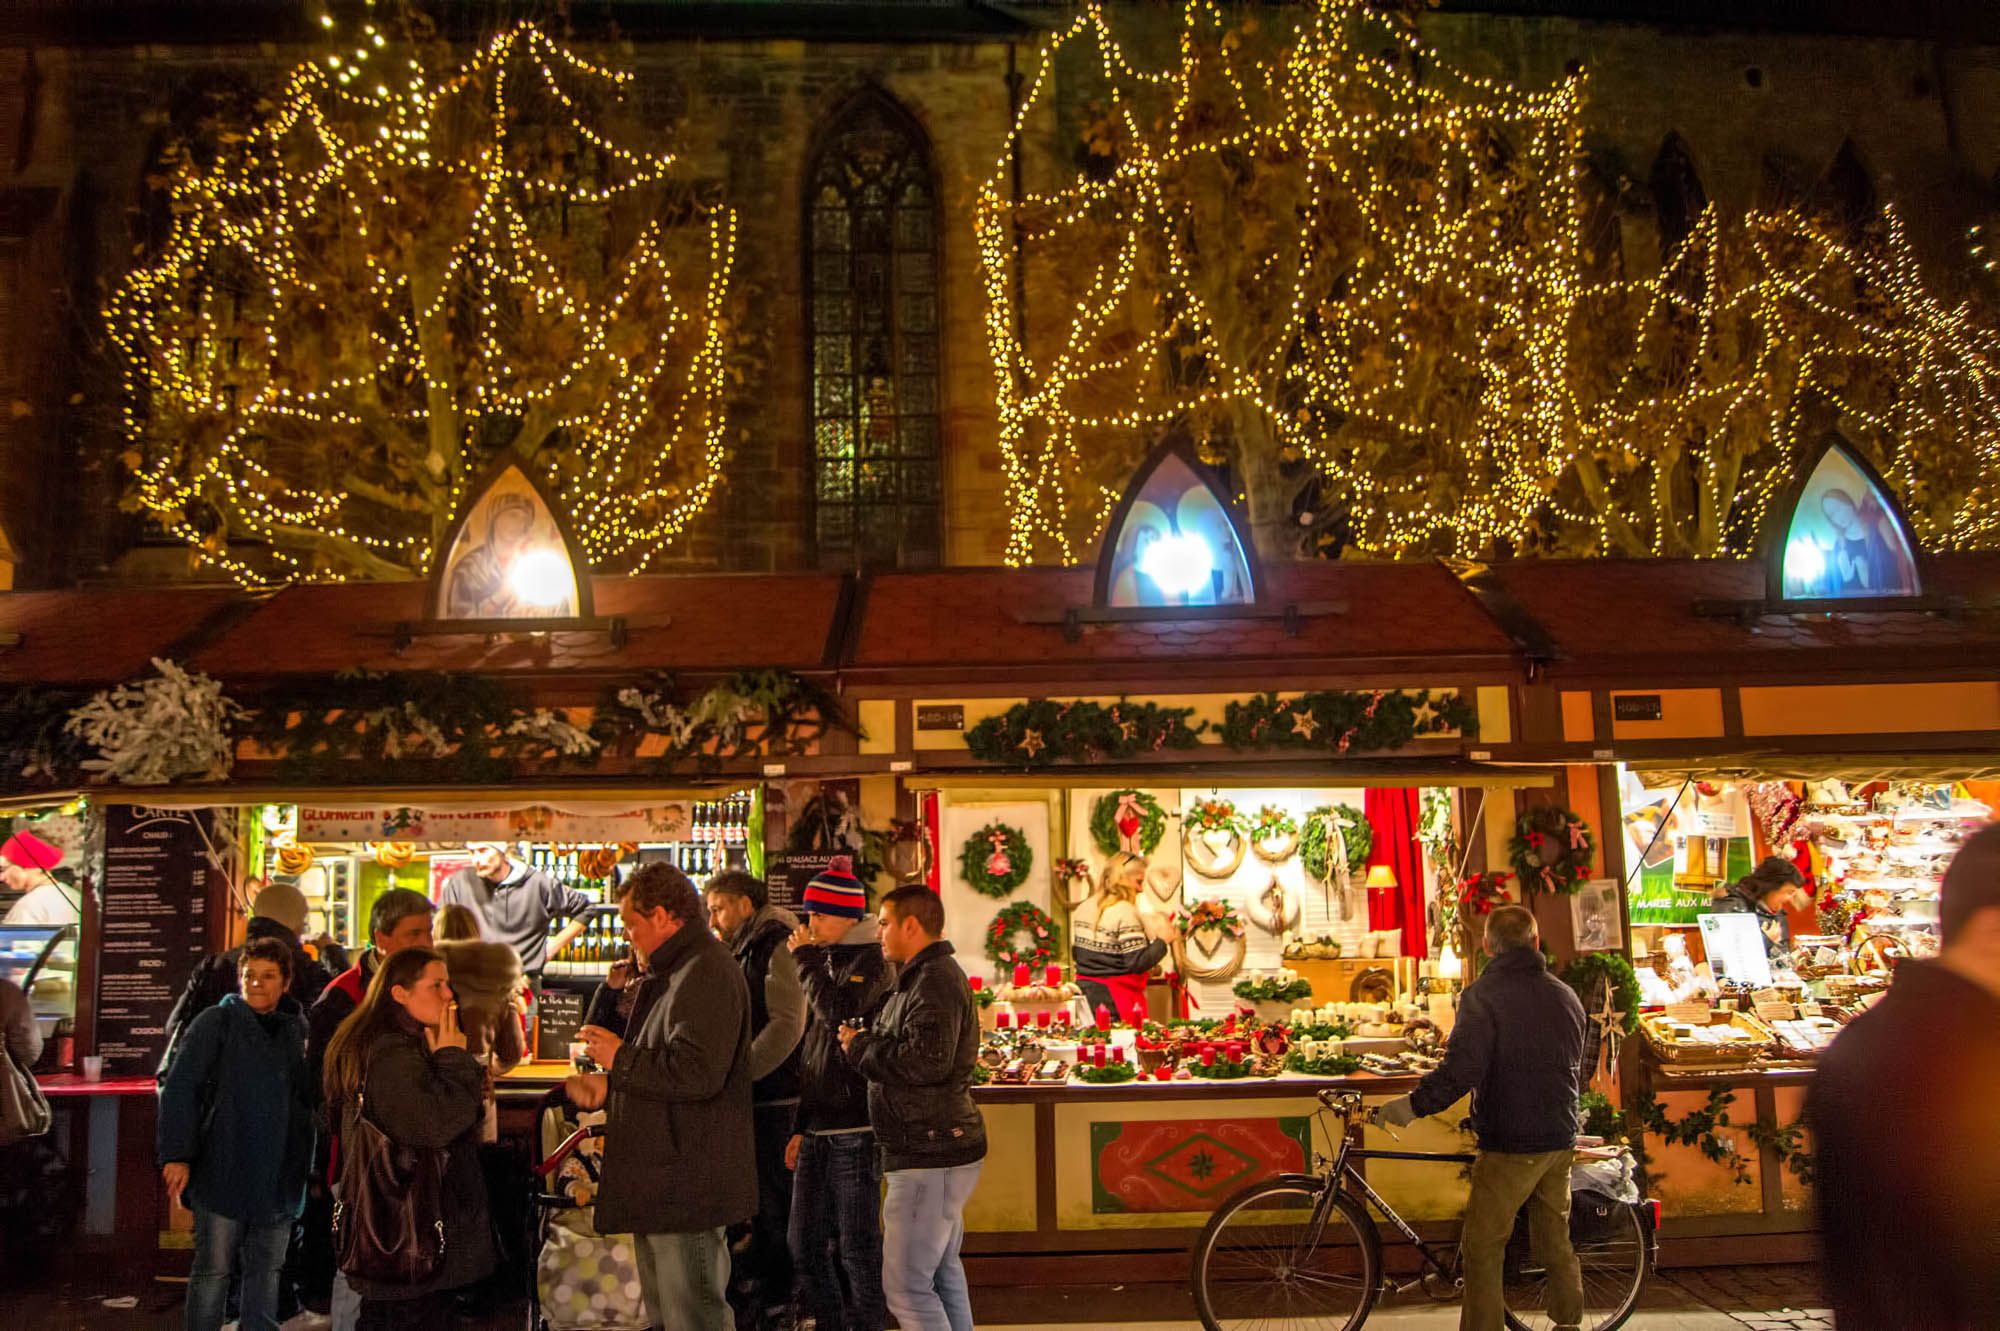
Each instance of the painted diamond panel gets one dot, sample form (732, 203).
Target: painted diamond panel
(1189, 1164)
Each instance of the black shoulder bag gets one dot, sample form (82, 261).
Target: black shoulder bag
(388, 1225)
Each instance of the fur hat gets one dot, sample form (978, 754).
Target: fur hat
(283, 903)
(836, 891)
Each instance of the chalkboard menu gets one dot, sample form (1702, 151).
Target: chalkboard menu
(786, 877)
(154, 930)
(558, 1015)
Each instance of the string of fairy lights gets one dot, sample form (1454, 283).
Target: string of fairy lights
(1394, 286)
(372, 276)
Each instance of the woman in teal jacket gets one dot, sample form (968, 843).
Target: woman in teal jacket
(235, 1138)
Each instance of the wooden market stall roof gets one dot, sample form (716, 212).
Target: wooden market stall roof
(1413, 619)
(693, 622)
(98, 637)
(1656, 621)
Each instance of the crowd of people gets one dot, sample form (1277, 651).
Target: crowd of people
(759, 1074)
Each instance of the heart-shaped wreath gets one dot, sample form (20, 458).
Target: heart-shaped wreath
(1551, 851)
(1274, 834)
(1210, 928)
(996, 860)
(1022, 931)
(1200, 826)
(1127, 820)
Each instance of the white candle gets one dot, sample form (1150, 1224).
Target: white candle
(1448, 965)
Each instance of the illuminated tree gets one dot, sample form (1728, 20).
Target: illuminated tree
(1307, 241)
(404, 266)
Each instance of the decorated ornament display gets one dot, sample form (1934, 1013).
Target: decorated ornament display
(1274, 834)
(1022, 934)
(1212, 841)
(1551, 851)
(1127, 820)
(996, 860)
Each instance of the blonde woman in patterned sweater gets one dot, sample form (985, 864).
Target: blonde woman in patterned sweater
(1116, 942)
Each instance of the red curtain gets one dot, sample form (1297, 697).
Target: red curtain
(1392, 816)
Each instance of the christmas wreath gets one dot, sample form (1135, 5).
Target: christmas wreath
(1619, 979)
(1216, 921)
(1127, 820)
(1551, 851)
(1316, 842)
(1198, 827)
(1327, 1065)
(1018, 918)
(1224, 1068)
(1274, 834)
(995, 860)
(1109, 1074)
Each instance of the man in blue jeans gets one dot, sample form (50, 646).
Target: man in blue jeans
(836, 1221)
(918, 1056)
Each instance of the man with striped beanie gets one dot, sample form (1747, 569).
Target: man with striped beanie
(836, 1221)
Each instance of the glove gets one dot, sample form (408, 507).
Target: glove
(1398, 1113)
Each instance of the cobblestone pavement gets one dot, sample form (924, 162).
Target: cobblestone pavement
(1762, 1298)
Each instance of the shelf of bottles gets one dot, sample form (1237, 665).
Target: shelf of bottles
(717, 838)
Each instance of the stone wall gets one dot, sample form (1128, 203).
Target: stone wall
(77, 126)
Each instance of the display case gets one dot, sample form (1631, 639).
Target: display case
(41, 959)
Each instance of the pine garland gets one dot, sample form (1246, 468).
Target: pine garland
(1039, 733)
(1342, 722)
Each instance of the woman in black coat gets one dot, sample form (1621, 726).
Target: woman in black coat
(401, 1059)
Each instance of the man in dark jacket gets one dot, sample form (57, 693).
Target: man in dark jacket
(918, 1057)
(279, 912)
(1518, 1048)
(741, 913)
(1908, 1182)
(679, 1164)
(836, 1225)
(399, 918)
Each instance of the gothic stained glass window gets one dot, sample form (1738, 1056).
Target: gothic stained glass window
(1845, 538)
(872, 297)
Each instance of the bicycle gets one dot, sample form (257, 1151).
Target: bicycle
(1300, 1251)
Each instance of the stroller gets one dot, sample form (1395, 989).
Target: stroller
(584, 1281)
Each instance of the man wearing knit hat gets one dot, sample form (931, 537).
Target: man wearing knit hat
(1901, 1113)
(25, 861)
(836, 1222)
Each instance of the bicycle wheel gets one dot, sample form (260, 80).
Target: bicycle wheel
(1611, 1248)
(1258, 1263)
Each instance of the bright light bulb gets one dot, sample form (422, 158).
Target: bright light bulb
(1180, 563)
(1448, 964)
(540, 579)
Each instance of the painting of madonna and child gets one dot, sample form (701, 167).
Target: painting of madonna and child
(1844, 541)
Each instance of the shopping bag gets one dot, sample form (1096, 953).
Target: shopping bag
(589, 1281)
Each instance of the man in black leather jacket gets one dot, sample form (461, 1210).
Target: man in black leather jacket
(918, 1057)
(1518, 1048)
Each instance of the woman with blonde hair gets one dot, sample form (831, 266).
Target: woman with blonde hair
(400, 1059)
(1115, 942)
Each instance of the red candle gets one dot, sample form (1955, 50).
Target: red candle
(1117, 1053)
(1208, 1056)
(1062, 1018)
(977, 982)
(1103, 1017)
(1053, 974)
(1002, 1020)
(1021, 975)
(1042, 1019)
(1098, 1056)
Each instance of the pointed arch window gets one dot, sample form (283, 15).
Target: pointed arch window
(872, 306)
(1173, 541)
(1845, 538)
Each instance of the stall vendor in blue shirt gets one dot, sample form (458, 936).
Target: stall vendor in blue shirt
(516, 904)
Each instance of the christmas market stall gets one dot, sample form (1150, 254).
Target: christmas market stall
(1285, 775)
(1789, 750)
